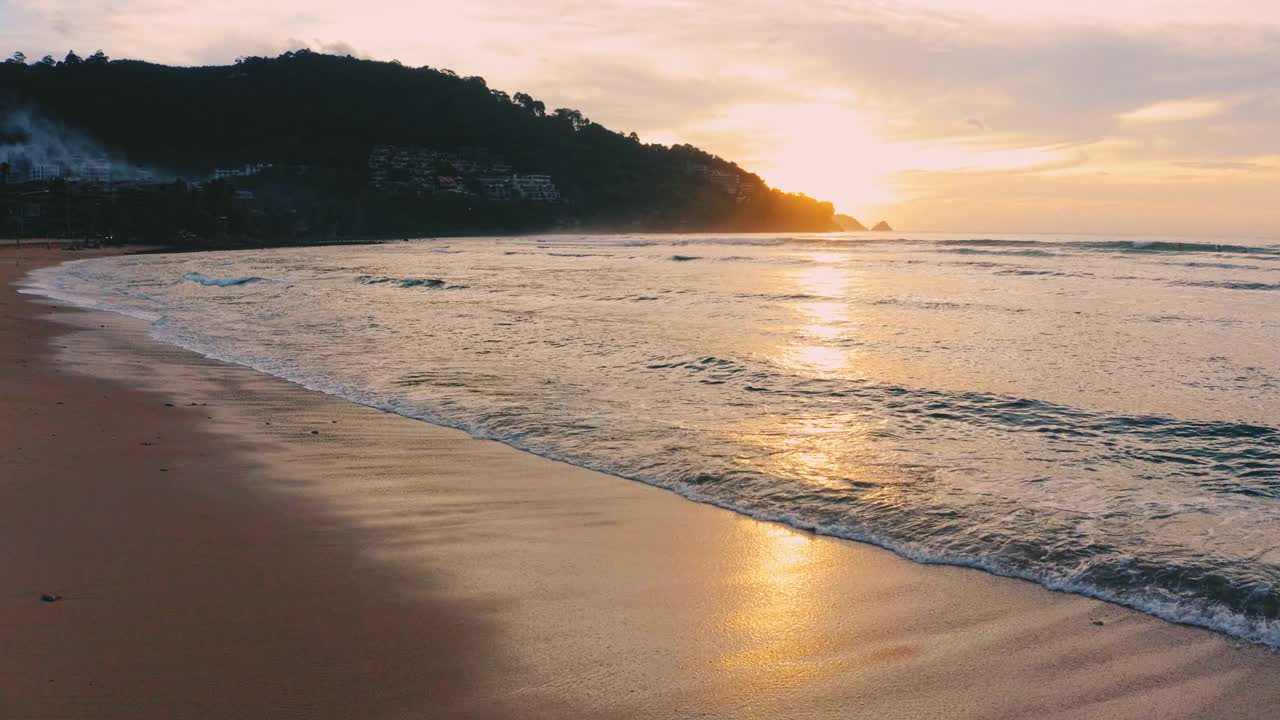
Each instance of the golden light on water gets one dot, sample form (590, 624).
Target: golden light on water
(825, 319)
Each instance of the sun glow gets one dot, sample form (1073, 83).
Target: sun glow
(822, 149)
(833, 152)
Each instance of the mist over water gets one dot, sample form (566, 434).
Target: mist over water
(1097, 415)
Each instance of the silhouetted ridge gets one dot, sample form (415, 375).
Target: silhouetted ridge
(321, 146)
(848, 223)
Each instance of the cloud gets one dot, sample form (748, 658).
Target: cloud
(1176, 110)
(928, 99)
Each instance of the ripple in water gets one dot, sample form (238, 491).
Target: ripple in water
(1095, 415)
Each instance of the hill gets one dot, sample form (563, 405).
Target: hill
(848, 223)
(313, 145)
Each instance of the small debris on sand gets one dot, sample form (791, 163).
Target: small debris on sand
(50, 597)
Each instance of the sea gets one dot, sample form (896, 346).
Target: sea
(1099, 415)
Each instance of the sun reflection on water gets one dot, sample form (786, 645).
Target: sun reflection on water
(824, 319)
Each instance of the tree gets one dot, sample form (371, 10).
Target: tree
(607, 179)
(573, 117)
(47, 61)
(72, 58)
(98, 58)
(633, 137)
(533, 107)
(17, 59)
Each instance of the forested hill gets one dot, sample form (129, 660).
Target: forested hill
(364, 147)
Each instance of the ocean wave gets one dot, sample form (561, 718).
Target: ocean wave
(1074, 497)
(989, 242)
(427, 283)
(1160, 246)
(984, 246)
(1227, 284)
(1043, 273)
(207, 281)
(1216, 265)
(1006, 253)
(783, 297)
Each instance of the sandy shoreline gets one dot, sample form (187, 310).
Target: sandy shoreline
(273, 552)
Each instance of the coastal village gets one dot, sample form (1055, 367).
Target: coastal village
(91, 169)
(472, 171)
(28, 202)
(731, 182)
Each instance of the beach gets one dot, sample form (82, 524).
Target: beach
(221, 543)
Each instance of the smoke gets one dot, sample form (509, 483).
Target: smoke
(39, 148)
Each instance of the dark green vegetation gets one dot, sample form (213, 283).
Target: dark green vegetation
(315, 120)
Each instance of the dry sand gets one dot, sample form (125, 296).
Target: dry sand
(229, 545)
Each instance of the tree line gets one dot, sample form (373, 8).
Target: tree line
(320, 115)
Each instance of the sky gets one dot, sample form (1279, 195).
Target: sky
(1103, 116)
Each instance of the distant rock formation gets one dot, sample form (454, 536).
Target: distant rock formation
(848, 223)
(882, 226)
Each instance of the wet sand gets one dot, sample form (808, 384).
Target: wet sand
(231, 545)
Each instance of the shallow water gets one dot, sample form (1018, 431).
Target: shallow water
(1097, 415)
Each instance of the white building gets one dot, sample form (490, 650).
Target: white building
(43, 172)
(535, 187)
(246, 171)
(497, 188)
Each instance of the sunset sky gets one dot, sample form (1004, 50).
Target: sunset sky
(1131, 116)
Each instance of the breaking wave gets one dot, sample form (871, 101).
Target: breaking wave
(207, 281)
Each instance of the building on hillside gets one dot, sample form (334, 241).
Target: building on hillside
(404, 169)
(538, 188)
(90, 169)
(447, 184)
(44, 172)
(421, 171)
(418, 170)
(694, 167)
(248, 170)
(725, 180)
(497, 188)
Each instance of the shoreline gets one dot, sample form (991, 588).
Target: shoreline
(1234, 626)
(573, 593)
